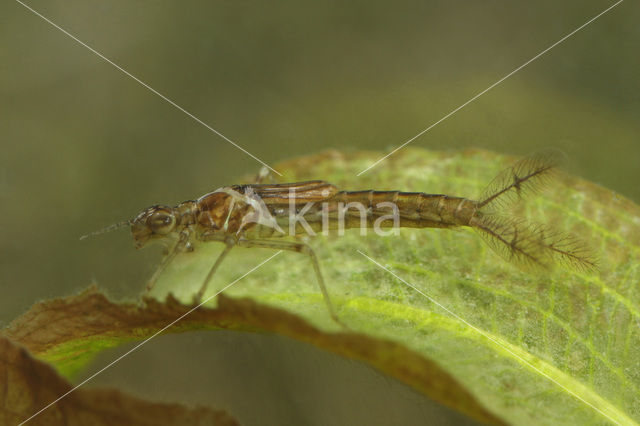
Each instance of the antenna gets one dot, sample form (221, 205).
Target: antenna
(107, 229)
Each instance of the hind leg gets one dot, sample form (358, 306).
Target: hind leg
(303, 249)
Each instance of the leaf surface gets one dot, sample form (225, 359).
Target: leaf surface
(69, 331)
(546, 348)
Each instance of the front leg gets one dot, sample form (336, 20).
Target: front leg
(229, 243)
(298, 248)
(182, 244)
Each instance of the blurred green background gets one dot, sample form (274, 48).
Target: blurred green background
(84, 146)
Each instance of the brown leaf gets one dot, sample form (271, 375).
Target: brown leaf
(56, 325)
(27, 385)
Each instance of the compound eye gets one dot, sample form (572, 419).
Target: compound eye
(161, 222)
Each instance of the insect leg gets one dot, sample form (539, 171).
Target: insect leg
(181, 245)
(299, 248)
(264, 175)
(229, 243)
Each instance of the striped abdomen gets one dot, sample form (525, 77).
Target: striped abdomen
(415, 209)
(358, 209)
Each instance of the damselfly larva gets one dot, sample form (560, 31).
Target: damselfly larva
(260, 215)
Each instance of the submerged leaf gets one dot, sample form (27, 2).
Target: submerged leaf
(69, 331)
(30, 385)
(552, 347)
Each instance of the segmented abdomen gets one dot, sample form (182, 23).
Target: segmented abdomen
(415, 209)
(357, 209)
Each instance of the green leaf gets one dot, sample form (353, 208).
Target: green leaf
(563, 345)
(550, 348)
(68, 332)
